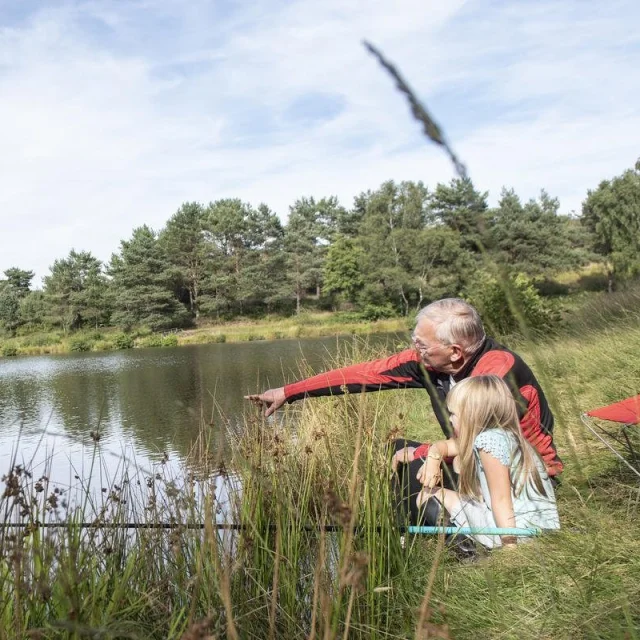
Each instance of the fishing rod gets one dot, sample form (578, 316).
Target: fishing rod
(223, 526)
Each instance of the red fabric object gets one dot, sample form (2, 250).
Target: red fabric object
(626, 411)
(422, 451)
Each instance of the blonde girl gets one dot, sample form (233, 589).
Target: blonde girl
(503, 482)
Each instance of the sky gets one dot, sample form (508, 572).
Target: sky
(115, 112)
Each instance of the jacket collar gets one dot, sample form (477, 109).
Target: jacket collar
(487, 345)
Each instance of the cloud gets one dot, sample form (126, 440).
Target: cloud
(113, 114)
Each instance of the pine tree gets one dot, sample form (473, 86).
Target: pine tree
(143, 283)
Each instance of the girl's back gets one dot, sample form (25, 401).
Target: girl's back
(530, 508)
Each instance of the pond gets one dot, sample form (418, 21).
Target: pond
(139, 410)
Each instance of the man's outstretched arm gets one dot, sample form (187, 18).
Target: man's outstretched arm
(399, 371)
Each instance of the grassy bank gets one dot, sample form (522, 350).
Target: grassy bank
(307, 325)
(324, 462)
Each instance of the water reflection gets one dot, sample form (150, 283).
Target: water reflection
(147, 406)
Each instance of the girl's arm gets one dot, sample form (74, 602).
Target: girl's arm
(429, 472)
(499, 482)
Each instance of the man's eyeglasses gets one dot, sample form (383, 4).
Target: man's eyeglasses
(419, 346)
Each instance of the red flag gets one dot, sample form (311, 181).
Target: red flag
(626, 411)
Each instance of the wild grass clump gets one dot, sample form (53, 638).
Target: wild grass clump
(170, 341)
(153, 340)
(103, 345)
(9, 350)
(79, 570)
(80, 343)
(604, 312)
(123, 341)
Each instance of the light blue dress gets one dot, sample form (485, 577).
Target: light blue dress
(531, 509)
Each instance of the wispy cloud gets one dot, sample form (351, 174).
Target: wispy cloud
(113, 113)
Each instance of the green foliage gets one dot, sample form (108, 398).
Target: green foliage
(388, 217)
(142, 332)
(33, 311)
(75, 292)
(218, 338)
(309, 230)
(158, 340)
(170, 341)
(41, 340)
(154, 340)
(343, 274)
(510, 305)
(80, 343)
(19, 280)
(9, 350)
(9, 309)
(377, 312)
(398, 247)
(533, 238)
(184, 241)
(548, 287)
(593, 282)
(13, 290)
(143, 284)
(461, 208)
(246, 258)
(103, 345)
(612, 214)
(123, 341)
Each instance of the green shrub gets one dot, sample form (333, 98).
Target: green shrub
(549, 287)
(170, 341)
(95, 336)
(143, 332)
(45, 339)
(505, 304)
(9, 350)
(123, 341)
(103, 345)
(593, 282)
(252, 337)
(377, 311)
(153, 340)
(80, 344)
(343, 317)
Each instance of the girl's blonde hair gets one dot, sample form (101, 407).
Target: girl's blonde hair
(486, 402)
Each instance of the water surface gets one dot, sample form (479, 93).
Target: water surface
(146, 406)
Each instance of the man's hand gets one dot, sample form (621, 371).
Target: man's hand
(403, 456)
(272, 399)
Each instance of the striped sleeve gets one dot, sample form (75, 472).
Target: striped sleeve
(399, 371)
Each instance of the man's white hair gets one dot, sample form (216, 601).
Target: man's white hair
(455, 322)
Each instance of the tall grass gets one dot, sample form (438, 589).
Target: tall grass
(324, 462)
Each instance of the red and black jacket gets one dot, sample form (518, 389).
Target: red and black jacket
(404, 370)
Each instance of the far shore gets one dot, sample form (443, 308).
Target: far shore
(306, 325)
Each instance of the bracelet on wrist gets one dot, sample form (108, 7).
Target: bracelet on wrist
(434, 454)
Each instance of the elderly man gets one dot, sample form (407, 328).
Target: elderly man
(449, 344)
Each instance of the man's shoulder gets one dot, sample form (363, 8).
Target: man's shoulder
(496, 359)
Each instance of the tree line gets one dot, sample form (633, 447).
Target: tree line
(394, 250)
